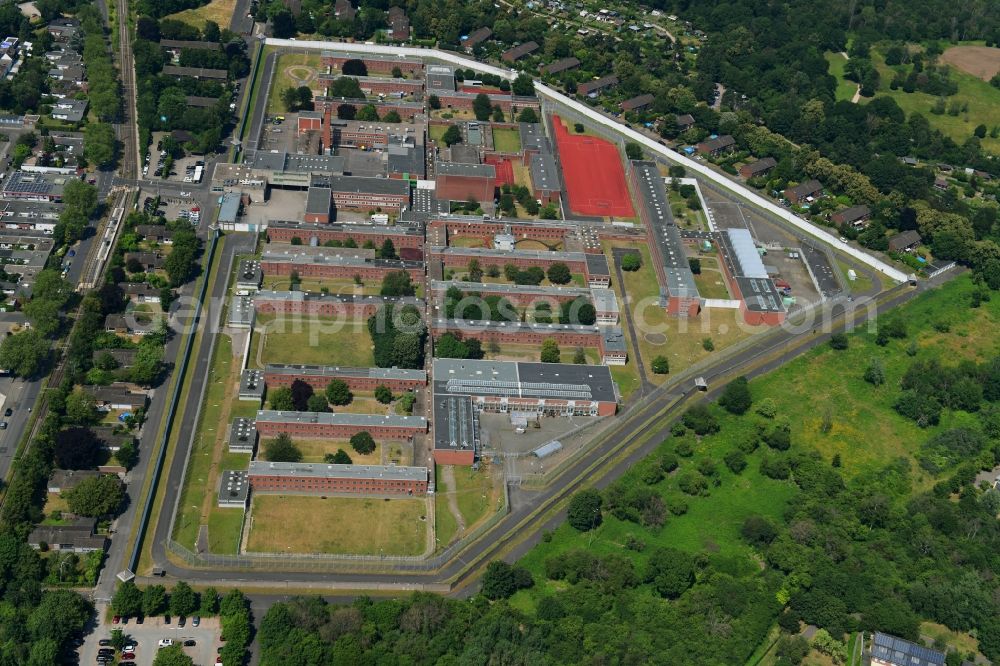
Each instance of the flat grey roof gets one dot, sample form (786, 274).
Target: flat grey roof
(455, 426)
(233, 487)
(369, 56)
(464, 169)
(230, 208)
(321, 164)
(653, 193)
(251, 382)
(604, 299)
(745, 253)
(505, 288)
(367, 185)
(324, 471)
(319, 199)
(544, 173)
(342, 418)
(526, 380)
(597, 264)
(533, 136)
(241, 312)
(197, 72)
(440, 78)
(614, 339)
(343, 371)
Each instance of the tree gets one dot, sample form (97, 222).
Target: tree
(148, 364)
(341, 457)
(96, 497)
(482, 107)
(875, 372)
(173, 655)
(699, 419)
(383, 394)
(578, 128)
(154, 600)
(392, 117)
(671, 572)
(301, 392)
(523, 86)
(452, 135)
(398, 284)
(387, 250)
(290, 98)
(550, 351)
(283, 24)
(736, 397)
(631, 262)
(209, 602)
(559, 273)
(475, 270)
(99, 144)
(527, 115)
(81, 408)
(584, 512)
(281, 399)
(59, 615)
(758, 531)
(735, 460)
(127, 601)
(362, 442)
(367, 113)
(501, 580)
(633, 151)
(839, 341)
(44, 316)
(77, 448)
(579, 356)
(660, 365)
(282, 449)
(450, 346)
(338, 392)
(183, 601)
(354, 67)
(694, 263)
(24, 354)
(127, 455)
(434, 102)
(317, 403)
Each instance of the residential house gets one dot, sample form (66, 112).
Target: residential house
(888, 650)
(68, 479)
(141, 292)
(758, 168)
(717, 145)
(156, 233)
(520, 51)
(904, 241)
(637, 103)
(561, 65)
(148, 260)
(476, 37)
(77, 536)
(855, 215)
(685, 121)
(597, 86)
(804, 191)
(70, 110)
(118, 396)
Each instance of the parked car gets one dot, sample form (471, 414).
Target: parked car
(128, 655)
(104, 642)
(129, 647)
(116, 619)
(165, 642)
(189, 643)
(195, 621)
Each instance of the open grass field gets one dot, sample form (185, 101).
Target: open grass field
(320, 342)
(845, 89)
(506, 140)
(313, 450)
(860, 285)
(338, 525)
(710, 282)
(680, 340)
(333, 286)
(477, 494)
(197, 505)
(982, 99)
(981, 61)
(436, 133)
(866, 432)
(962, 642)
(291, 70)
(445, 525)
(220, 11)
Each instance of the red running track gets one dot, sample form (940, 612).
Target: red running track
(595, 179)
(505, 170)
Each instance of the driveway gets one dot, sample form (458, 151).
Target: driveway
(147, 637)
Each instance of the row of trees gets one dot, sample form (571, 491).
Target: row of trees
(103, 88)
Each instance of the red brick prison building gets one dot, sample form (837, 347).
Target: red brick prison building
(324, 305)
(455, 181)
(382, 64)
(518, 295)
(594, 267)
(357, 134)
(365, 193)
(607, 340)
(330, 425)
(318, 234)
(546, 231)
(374, 85)
(463, 388)
(665, 244)
(323, 479)
(357, 379)
(509, 104)
(760, 301)
(317, 265)
(328, 106)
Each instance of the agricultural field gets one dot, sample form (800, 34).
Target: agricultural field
(338, 525)
(980, 61)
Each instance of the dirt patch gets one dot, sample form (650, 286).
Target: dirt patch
(981, 61)
(656, 338)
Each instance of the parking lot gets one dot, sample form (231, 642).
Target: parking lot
(146, 637)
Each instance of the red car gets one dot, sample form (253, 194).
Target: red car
(128, 655)
(116, 619)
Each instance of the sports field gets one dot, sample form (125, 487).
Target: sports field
(339, 525)
(595, 179)
(505, 170)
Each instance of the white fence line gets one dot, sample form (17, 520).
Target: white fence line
(599, 118)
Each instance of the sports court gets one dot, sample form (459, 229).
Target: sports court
(505, 170)
(595, 179)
